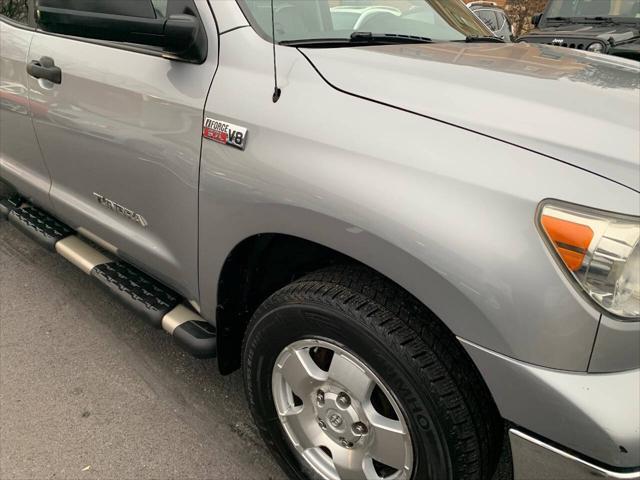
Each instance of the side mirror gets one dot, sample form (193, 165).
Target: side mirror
(184, 37)
(179, 37)
(535, 20)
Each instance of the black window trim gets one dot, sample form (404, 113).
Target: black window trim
(129, 47)
(118, 46)
(107, 43)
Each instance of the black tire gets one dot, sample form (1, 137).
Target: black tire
(452, 420)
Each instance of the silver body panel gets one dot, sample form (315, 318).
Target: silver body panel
(596, 415)
(305, 175)
(127, 126)
(229, 15)
(21, 161)
(534, 459)
(579, 107)
(617, 346)
(388, 155)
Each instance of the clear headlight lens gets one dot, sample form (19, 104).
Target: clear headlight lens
(600, 251)
(596, 47)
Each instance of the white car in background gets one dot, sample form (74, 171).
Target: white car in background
(346, 17)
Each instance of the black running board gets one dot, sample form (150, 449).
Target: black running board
(39, 225)
(8, 204)
(158, 304)
(142, 293)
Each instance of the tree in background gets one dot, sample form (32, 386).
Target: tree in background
(521, 11)
(15, 9)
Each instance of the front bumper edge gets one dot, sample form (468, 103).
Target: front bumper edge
(536, 460)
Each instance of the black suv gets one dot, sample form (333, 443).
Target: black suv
(602, 26)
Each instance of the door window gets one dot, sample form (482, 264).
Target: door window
(502, 20)
(309, 20)
(489, 18)
(170, 28)
(160, 6)
(21, 11)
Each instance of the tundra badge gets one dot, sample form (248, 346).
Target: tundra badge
(116, 207)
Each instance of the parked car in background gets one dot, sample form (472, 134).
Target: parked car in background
(602, 26)
(495, 18)
(355, 16)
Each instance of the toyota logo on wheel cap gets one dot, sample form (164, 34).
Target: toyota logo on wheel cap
(335, 420)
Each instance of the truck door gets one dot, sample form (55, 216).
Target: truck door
(21, 162)
(121, 132)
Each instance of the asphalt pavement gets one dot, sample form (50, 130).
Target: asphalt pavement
(89, 390)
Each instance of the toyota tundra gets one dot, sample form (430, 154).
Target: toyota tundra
(413, 286)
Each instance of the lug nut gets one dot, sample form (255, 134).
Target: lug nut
(359, 428)
(345, 443)
(320, 397)
(323, 425)
(343, 400)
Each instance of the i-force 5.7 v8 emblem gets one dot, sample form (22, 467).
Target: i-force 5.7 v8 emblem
(116, 207)
(225, 133)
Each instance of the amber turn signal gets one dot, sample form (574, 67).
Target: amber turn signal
(600, 251)
(571, 240)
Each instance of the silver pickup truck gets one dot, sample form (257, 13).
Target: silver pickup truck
(419, 243)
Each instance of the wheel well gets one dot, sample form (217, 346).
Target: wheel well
(257, 267)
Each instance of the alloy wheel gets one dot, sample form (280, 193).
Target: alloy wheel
(339, 416)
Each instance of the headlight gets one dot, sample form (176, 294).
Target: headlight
(596, 47)
(600, 251)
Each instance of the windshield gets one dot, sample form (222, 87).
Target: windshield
(439, 20)
(591, 9)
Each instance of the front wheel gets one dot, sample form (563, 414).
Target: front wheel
(348, 377)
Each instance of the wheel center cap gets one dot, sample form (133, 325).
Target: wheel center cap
(336, 420)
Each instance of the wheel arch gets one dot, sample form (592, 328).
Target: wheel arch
(262, 262)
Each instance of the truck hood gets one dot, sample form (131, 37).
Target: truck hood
(576, 107)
